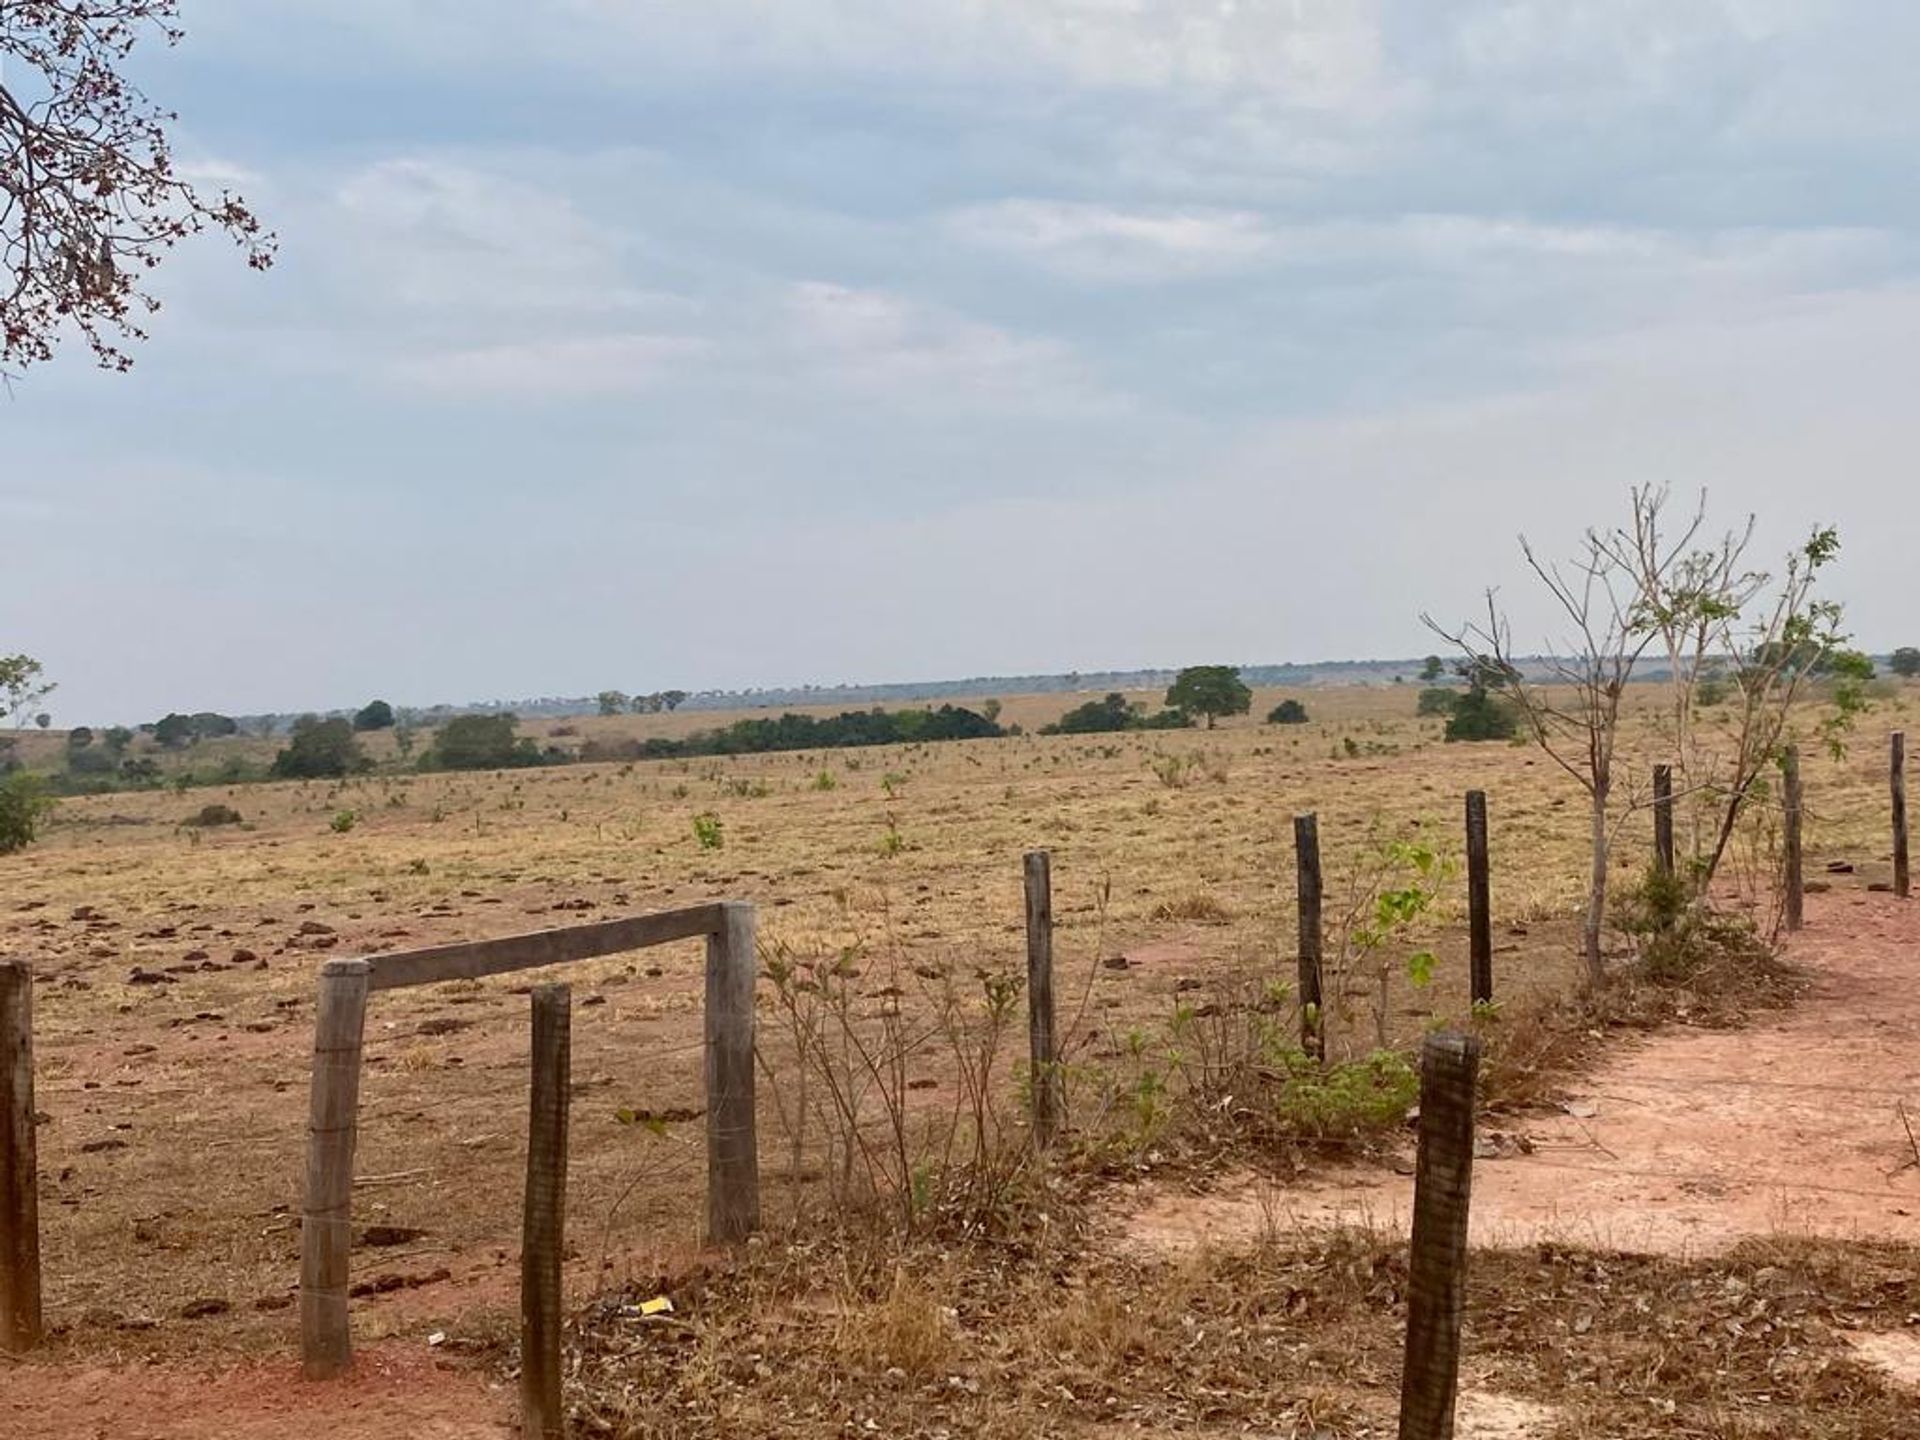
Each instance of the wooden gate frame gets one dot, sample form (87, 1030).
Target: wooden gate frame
(733, 1164)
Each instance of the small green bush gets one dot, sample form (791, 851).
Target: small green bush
(1287, 712)
(1479, 714)
(343, 821)
(24, 808)
(707, 831)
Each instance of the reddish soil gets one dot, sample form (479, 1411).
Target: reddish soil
(1687, 1142)
(396, 1392)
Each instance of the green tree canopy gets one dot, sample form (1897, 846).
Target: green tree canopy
(1431, 669)
(319, 749)
(1905, 662)
(1479, 714)
(1287, 712)
(611, 702)
(1210, 690)
(173, 730)
(374, 715)
(481, 742)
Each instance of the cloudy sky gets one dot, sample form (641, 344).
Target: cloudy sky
(644, 344)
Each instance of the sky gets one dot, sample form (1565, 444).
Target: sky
(647, 344)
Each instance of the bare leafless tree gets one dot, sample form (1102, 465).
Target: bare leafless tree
(90, 200)
(1572, 705)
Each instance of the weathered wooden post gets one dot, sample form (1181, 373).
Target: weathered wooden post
(21, 1326)
(1443, 1184)
(1796, 894)
(1479, 900)
(326, 1224)
(733, 1149)
(1049, 1099)
(1306, 851)
(1663, 818)
(1897, 774)
(544, 1220)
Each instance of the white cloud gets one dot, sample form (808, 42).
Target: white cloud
(927, 355)
(580, 367)
(1318, 54)
(1109, 243)
(435, 233)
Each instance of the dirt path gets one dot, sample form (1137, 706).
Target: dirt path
(1689, 1142)
(396, 1392)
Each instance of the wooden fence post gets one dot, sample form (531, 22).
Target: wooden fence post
(1479, 900)
(1663, 818)
(1049, 1099)
(326, 1224)
(1796, 896)
(544, 1220)
(733, 1149)
(1443, 1184)
(21, 1326)
(1897, 775)
(1306, 850)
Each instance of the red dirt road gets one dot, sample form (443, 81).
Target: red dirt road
(1688, 1142)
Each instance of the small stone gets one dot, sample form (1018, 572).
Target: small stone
(204, 1308)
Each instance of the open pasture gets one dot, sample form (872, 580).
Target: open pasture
(177, 967)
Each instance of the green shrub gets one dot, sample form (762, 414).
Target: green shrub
(1436, 700)
(1353, 1097)
(319, 749)
(1287, 712)
(24, 808)
(343, 821)
(707, 831)
(1479, 714)
(481, 742)
(1103, 717)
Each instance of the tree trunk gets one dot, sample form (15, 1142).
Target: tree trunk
(1596, 889)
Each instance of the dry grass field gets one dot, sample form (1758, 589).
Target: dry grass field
(177, 970)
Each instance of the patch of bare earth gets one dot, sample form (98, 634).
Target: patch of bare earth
(397, 1392)
(1685, 1144)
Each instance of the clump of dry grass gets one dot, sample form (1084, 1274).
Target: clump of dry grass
(1197, 907)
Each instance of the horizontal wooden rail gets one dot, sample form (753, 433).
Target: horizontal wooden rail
(472, 959)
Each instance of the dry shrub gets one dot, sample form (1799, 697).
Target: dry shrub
(1195, 906)
(913, 1329)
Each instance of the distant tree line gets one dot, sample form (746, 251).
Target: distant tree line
(793, 731)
